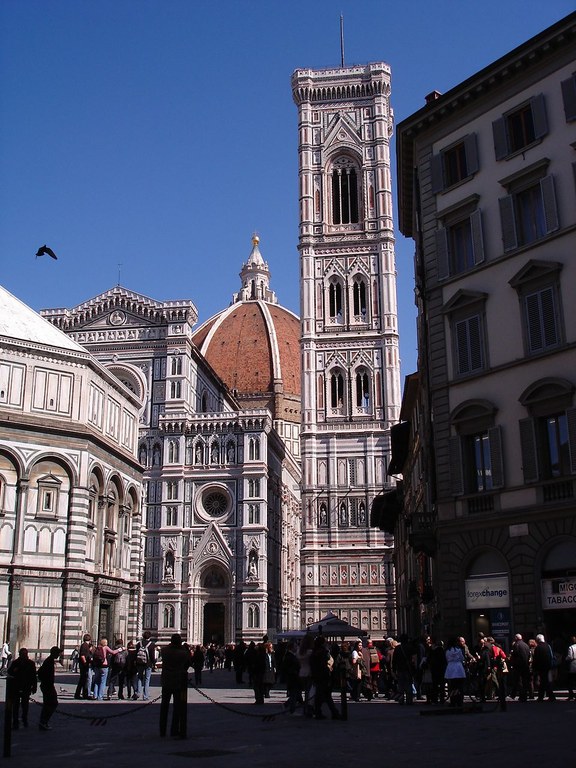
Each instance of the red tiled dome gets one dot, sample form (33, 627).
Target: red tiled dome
(251, 345)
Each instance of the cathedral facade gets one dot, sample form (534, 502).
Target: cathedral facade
(349, 340)
(218, 441)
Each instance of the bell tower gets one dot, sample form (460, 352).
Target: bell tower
(349, 340)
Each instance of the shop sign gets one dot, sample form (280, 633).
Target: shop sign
(559, 593)
(487, 592)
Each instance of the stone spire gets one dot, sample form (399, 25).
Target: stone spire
(255, 277)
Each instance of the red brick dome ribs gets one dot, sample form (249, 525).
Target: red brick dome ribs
(254, 347)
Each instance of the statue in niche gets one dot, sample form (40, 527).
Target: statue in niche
(199, 454)
(231, 454)
(156, 456)
(215, 454)
(253, 565)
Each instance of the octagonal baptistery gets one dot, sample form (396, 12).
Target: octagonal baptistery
(254, 346)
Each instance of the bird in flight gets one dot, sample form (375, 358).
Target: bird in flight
(44, 250)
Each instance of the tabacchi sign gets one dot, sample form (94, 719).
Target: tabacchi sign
(487, 592)
(558, 593)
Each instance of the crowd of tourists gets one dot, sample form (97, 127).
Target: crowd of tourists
(310, 669)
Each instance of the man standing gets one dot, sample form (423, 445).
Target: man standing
(21, 682)
(520, 662)
(84, 659)
(176, 659)
(541, 667)
(145, 663)
(5, 657)
(49, 697)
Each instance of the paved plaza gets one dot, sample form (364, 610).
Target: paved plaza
(235, 733)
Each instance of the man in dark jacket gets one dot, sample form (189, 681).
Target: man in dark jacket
(174, 680)
(520, 663)
(541, 666)
(84, 659)
(49, 696)
(21, 682)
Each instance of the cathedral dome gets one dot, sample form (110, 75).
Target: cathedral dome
(254, 344)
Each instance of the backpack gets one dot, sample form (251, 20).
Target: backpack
(142, 654)
(98, 657)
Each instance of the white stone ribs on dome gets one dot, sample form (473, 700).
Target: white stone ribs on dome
(277, 367)
(216, 321)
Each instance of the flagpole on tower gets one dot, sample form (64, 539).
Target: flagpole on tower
(342, 41)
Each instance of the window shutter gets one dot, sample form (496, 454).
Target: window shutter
(500, 138)
(496, 458)
(437, 171)
(571, 419)
(456, 468)
(462, 347)
(549, 325)
(569, 98)
(475, 341)
(529, 450)
(477, 239)
(509, 237)
(550, 207)
(471, 149)
(538, 106)
(442, 260)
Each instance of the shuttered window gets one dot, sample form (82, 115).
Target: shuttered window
(541, 319)
(529, 214)
(469, 345)
(520, 127)
(455, 164)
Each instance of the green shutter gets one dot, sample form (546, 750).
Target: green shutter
(456, 468)
(529, 448)
(569, 98)
(442, 258)
(477, 239)
(550, 207)
(496, 458)
(509, 236)
(538, 106)
(500, 138)
(471, 149)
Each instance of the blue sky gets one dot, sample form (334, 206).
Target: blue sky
(159, 134)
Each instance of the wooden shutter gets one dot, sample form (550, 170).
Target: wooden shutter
(529, 445)
(437, 173)
(509, 236)
(569, 97)
(538, 106)
(442, 256)
(471, 149)
(549, 201)
(500, 133)
(477, 239)
(571, 419)
(456, 468)
(496, 458)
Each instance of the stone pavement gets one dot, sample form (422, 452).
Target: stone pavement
(236, 734)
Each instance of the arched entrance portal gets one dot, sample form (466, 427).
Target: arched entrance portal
(214, 583)
(214, 618)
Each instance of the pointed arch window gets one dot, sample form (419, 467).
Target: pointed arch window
(362, 390)
(344, 192)
(254, 449)
(169, 616)
(173, 452)
(337, 392)
(253, 616)
(175, 390)
(359, 299)
(176, 368)
(335, 301)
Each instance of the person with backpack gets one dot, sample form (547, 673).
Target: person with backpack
(101, 663)
(145, 662)
(85, 666)
(117, 666)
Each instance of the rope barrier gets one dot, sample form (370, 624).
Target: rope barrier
(100, 721)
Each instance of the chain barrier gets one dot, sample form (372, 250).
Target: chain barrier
(264, 718)
(100, 721)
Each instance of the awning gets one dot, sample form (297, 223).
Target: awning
(399, 440)
(386, 510)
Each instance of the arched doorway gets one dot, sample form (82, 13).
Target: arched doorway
(214, 584)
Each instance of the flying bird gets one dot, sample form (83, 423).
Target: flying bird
(46, 251)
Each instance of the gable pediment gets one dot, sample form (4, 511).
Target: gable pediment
(463, 299)
(212, 546)
(342, 133)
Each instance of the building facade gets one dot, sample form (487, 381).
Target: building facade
(487, 191)
(71, 556)
(218, 440)
(349, 340)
